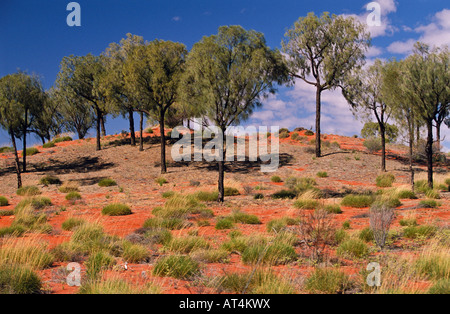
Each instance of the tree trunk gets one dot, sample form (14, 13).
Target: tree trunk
(17, 162)
(438, 135)
(411, 145)
(221, 164)
(318, 113)
(417, 135)
(141, 132)
(103, 125)
(429, 151)
(163, 142)
(42, 140)
(24, 152)
(132, 131)
(99, 118)
(383, 147)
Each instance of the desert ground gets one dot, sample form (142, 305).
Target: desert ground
(219, 249)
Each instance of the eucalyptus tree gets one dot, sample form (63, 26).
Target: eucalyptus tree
(227, 76)
(322, 50)
(114, 83)
(152, 74)
(426, 82)
(48, 121)
(82, 76)
(363, 89)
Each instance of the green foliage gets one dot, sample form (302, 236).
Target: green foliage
(275, 179)
(322, 174)
(16, 279)
(329, 281)
(429, 204)
(284, 194)
(168, 194)
(116, 287)
(224, 223)
(15, 231)
(3, 201)
(358, 201)
(5, 213)
(211, 256)
(277, 225)
(161, 181)
(71, 223)
(258, 196)
(366, 235)
(187, 244)
(259, 282)
(117, 209)
(49, 145)
(274, 254)
(346, 225)
(134, 253)
(406, 194)
(373, 145)
(414, 232)
(107, 182)
(353, 249)
(6, 150)
(333, 209)
(49, 180)
(372, 130)
(180, 267)
(97, 263)
(441, 286)
(240, 217)
(32, 151)
(62, 139)
(28, 191)
(306, 204)
(73, 196)
(168, 223)
(408, 222)
(385, 180)
(340, 236)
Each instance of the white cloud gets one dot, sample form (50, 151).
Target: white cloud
(176, 18)
(374, 51)
(437, 33)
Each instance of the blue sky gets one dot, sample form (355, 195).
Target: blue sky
(34, 37)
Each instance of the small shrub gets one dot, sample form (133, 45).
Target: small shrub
(180, 267)
(357, 201)
(385, 180)
(211, 256)
(258, 196)
(3, 201)
(71, 223)
(31, 151)
(276, 179)
(330, 281)
(70, 186)
(224, 223)
(161, 181)
(406, 194)
(322, 174)
(442, 286)
(5, 213)
(408, 222)
(284, 194)
(187, 244)
(28, 191)
(50, 180)
(381, 217)
(309, 133)
(340, 236)
(203, 223)
(429, 204)
(6, 150)
(97, 263)
(333, 209)
(276, 225)
(168, 223)
(116, 287)
(306, 204)
(231, 191)
(62, 139)
(373, 145)
(49, 145)
(73, 196)
(117, 209)
(419, 232)
(346, 225)
(168, 194)
(107, 182)
(353, 248)
(284, 135)
(366, 235)
(134, 253)
(244, 218)
(274, 254)
(16, 279)
(14, 231)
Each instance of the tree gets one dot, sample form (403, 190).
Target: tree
(114, 82)
(19, 93)
(48, 120)
(152, 75)
(363, 90)
(321, 51)
(227, 75)
(82, 77)
(426, 81)
(372, 130)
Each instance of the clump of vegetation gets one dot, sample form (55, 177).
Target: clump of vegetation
(187, 244)
(366, 235)
(70, 186)
(224, 223)
(62, 139)
(411, 222)
(168, 194)
(275, 179)
(306, 204)
(97, 263)
(276, 225)
(5, 213)
(381, 217)
(167, 223)
(258, 196)
(73, 196)
(346, 225)
(17, 279)
(333, 209)
(36, 203)
(50, 180)
(244, 218)
(12, 231)
(259, 282)
(3, 201)
(116, 286)
(284, 194)
(373, 145)
(322, 174)
(6, 150)
(31, 151)
(211, 256)
(330, 281)
(414, 232)
(134, 253)
(107, 182)
(49, 145)
(429, 204)
(309, 133)
(385, 180)
(72, 223)
(441, 286)
(28, 191)
(161, 181)
(275, 254)
(353, 248)
(358, 201)
(406, 194)
(116, 209)
(180, 267)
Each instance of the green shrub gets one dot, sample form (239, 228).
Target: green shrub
(180, 267)
(259, 282)
(72, 223)
(340, 236)
(284, 135)
(211, 256)
(306, 204)
(413, 232)
(421, 186)
(322, 174)
(36, 203)
(159, 236)
(385, 180)
(3, 201)
(353, 248)
(373, 145)
(224, 223)
(275, 254)
(366, 235)
(168, 194)
(116, 287)
(258, 196)
(97, 263)
(329, 281)
(309, 133)
(406, 194)
(49, 145)
(5, 213)
(284, 194)
(6, 150)
(244, 218)
(433, 194)
(434, 265)
(107, 182)
(28, 191)
(203, 223)
(62, 139)
(15, 231)
(429, 204)
(168, 223)
(134, 253)
(19, 280)
(231, 191)
(207, 196)
(346, 225)
(358, 201)
(276, 179)
(161, 181)
(73, 196)
(442, 286)
(333, 209)
(117, 209)
(31, 151)
(187, 244)
(408, 222)
(276, 225)
(50, 180)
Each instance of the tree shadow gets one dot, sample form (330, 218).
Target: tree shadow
(81, 165)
